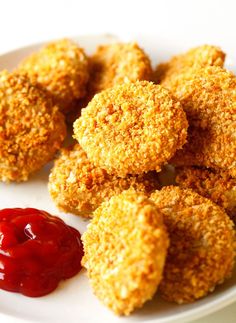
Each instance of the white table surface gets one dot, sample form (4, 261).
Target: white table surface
(201, 21)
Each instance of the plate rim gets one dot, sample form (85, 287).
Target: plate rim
(190, 314)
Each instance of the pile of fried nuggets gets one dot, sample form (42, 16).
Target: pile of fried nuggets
(178, 239)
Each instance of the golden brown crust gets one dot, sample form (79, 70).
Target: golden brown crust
(208, 96)
(197, 57)
(125, 248)
(79, 187)
(31, 127)
(219, 187)
(61, 68)
(202, 244)
(132, 128)
(111, 65)
(118, 63)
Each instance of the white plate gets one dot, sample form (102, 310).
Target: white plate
(73, 300)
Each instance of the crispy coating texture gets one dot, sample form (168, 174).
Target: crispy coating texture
(197, 57)
(61, 68)
(118, 63)
(208, 96)
(219, 187)
(79, 187)
(31, 128)
(125, 249)
(132, 128)
(202, 244)
(111, 65)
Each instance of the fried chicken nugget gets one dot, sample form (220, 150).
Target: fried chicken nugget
(208, 97)
(61, 68)
(197, 57)
(202, 244)
(218, 187)
(111, 65)
(132, 128)
(31, 127)
(79, 187)
(125, 248)
(118, 63)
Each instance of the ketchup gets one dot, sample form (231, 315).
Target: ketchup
(37, 250)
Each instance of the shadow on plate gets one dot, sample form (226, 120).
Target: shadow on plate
(159, 307)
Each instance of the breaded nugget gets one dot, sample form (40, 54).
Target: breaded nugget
(197, 57)
(111, 65)
(125, 248)
(117, 63)
(132, 128)
(31, 127)
(79, 187)
(61, 67)
(219, 187)
(202, 244)
(208, 96)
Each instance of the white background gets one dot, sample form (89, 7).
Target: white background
(24, 22)
(203, 21)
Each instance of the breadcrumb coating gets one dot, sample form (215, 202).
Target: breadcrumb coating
(202, 244)
(208, 97)
(125, 248)
(31, 127)
(197, 57)
(61, 68)
(79, 187)
(111, 65)
(117, 63)
(131, 128)
(218, 187)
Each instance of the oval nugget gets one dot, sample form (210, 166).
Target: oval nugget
(208, 96)
(113, 64)
(79, 187)
(31, 127)
(117, 63)
(132, 128)
(202, 244)
(61, 67)
(125, 248)
(219, 187)
(196, 57)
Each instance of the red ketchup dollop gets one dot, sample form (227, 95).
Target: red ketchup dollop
(37, 250)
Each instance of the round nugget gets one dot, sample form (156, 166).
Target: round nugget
(117, 63)
(125, 248)
(31, 127)
(111, 65)
(208, 96)
(202, 244)
(218, 187)
(197, 57)
(79, 187)
(61, 68)
(132, 128)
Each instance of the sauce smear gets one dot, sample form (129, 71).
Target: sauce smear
(37, 250)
